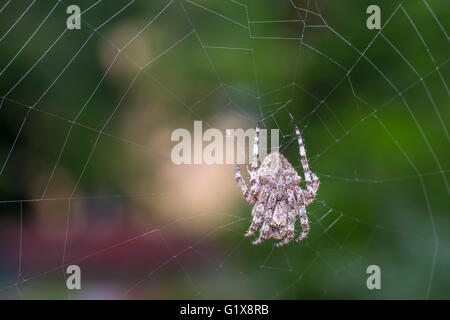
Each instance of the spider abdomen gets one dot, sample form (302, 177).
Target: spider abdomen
(279, 221)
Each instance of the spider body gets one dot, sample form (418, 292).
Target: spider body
(278, 198)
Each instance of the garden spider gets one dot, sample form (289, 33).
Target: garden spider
(278, 198)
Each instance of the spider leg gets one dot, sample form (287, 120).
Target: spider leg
(311, 194)
(312, 181)
(263, 232)
(265, 229)
(254, 165)
(304, 223)
(257, 213)
(249, 197)
(248, 170)
(255, 158)
(290, 234)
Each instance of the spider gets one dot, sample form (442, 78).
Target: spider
(278, 198)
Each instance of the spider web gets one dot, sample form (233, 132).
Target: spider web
(86, 175)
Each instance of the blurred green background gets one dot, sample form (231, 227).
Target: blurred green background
(86, 176)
